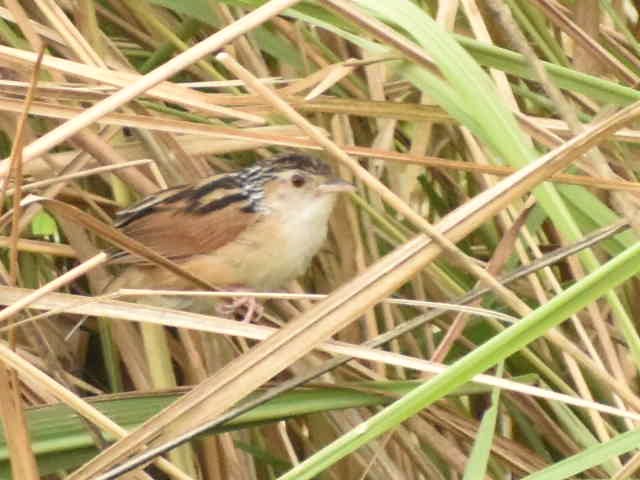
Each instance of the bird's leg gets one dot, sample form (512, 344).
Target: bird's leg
(252, 309)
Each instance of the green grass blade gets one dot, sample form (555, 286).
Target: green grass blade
(589, 458)
(477, 465)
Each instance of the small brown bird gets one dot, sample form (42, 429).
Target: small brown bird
(253, 229)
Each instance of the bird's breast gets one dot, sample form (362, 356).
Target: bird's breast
(276, 249)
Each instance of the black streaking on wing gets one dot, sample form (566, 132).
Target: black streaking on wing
(243, 186)
(226, 182)
(193, 197)
(143, 207)
(219, 203)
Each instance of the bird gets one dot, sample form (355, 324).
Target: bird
(253, 229)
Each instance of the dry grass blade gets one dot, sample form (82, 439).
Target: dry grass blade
(38, 28)
(37, 246)
(594, 182)
(165, 91)
(335, 74)
(84, 173)
(16, 169)
(131, 120)
(15, 426)
(62, 280)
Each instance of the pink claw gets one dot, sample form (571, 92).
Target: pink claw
(253, 309)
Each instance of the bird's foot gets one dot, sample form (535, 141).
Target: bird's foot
(245, 309)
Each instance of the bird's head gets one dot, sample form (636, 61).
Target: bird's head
(294, 183)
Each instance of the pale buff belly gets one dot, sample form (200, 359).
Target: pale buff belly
(260, 268)
(260, 263)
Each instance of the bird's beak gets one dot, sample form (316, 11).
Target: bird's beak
(336, 185)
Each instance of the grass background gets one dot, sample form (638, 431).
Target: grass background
(430, 108)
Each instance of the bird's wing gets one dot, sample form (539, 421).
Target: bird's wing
(185, 221)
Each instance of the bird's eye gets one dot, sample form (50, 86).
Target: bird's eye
(298, 180)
